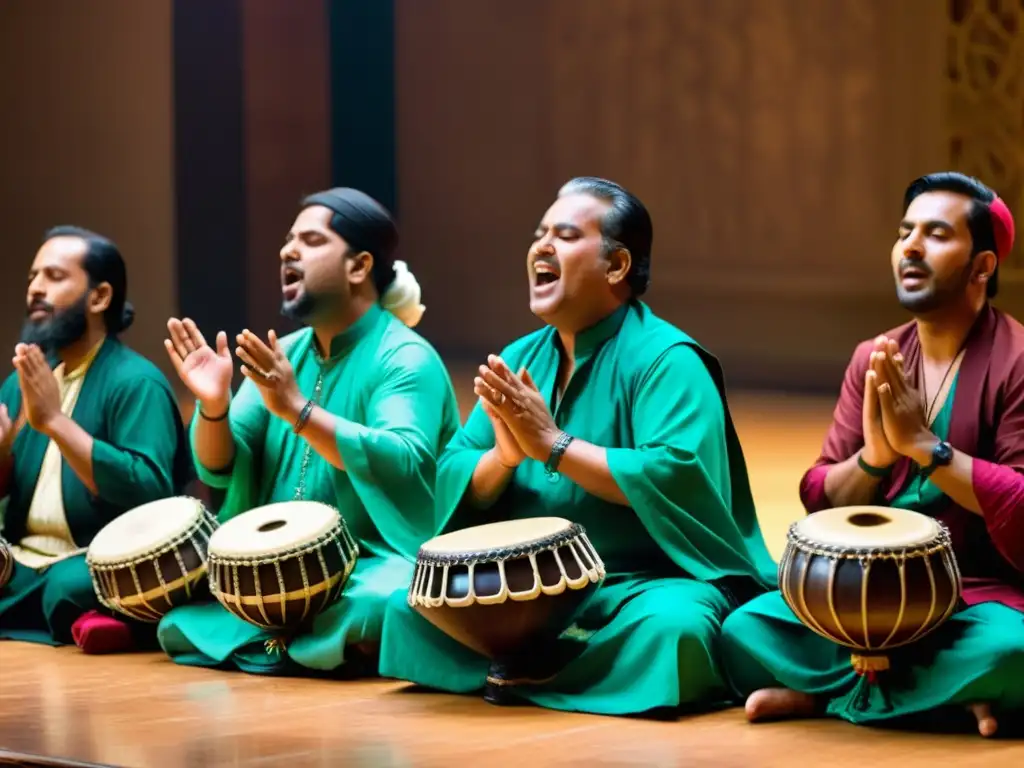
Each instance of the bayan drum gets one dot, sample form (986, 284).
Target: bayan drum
(280, 565)
(152, 558)
(6, 562)
(506, 590)
(870, 578)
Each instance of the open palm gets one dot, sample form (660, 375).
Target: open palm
(206, 372)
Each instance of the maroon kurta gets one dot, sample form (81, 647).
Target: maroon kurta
(987, 423)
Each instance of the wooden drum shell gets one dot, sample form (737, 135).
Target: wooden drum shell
(500, 603)
(285, 590)
(147, 587)
(6, 562)
(870, 600)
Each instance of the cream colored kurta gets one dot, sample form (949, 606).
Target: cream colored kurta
(49, 539)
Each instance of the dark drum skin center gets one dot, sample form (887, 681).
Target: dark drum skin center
(867, 519)
(273, 525)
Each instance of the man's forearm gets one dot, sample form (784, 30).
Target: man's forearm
(846, 484)
(75, 445)
(320, 431)
(214, 443)
(586, 465)
(489, 481)
(956, 479)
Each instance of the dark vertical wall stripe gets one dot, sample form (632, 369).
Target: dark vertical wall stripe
(209, 164)
(362, 51)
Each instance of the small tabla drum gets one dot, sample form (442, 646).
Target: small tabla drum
(280, 565)
(152, 558)
(6, 562)
(870, 578)
(506, 590)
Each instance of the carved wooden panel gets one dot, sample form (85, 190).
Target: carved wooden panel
(986, 102)
(771, 139)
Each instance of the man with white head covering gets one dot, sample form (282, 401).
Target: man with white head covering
(351, 411)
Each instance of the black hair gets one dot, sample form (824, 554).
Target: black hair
(103, 263)
(627, 225)
(979, 217)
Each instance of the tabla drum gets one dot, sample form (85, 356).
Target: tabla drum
(152, 558)
(280, 565)
(6, 562)
(870, 578)
(506, 590)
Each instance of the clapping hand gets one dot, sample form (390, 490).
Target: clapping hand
(517, 402)
(207, 373)
(266, 364)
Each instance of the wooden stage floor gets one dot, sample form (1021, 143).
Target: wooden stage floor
(142, 710)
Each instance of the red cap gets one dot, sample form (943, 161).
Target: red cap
(1002, 228)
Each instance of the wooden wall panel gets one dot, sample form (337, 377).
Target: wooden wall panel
(88, 140)
(771, 140)
(286, 105)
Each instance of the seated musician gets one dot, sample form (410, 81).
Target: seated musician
(88, 430)
(617, 420)
(930, 419)
(351, 411)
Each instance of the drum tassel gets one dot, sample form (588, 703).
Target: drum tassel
(869, 666)
(275, 646)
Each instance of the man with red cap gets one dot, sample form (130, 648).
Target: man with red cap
(931, 419)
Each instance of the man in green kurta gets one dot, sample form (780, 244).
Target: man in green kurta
(930, 418)
(618, 421)
(351, 411)
(88, 430)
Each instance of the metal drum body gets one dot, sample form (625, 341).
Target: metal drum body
(280, 565)
(152, 558)
(870, 578)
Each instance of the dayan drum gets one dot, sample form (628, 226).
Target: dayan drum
(152, 558)
(506, 590)
(6, 562)
(870, 578)
(280, 565)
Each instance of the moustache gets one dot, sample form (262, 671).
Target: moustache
(920, 266)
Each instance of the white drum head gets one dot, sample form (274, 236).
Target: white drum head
(497, 535)
(273, 529)
(863, 527)
(144, 529)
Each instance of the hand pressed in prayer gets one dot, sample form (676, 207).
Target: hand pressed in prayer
(509, 453)
(268, 368)
(901, 405)
(205, 372)
(877, 451)
(519, 405)
(39, 390)
(6, 429)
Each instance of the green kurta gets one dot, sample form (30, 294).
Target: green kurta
(678, 559)
(140, 454)
(977, 655)
(396, 410)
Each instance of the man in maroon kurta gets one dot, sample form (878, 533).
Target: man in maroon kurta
(930, 418)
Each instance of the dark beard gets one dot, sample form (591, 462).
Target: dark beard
(300, 310)
(936, 296)
(59, 330)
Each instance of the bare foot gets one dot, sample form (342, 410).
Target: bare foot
(778, 703)
(987, 724)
